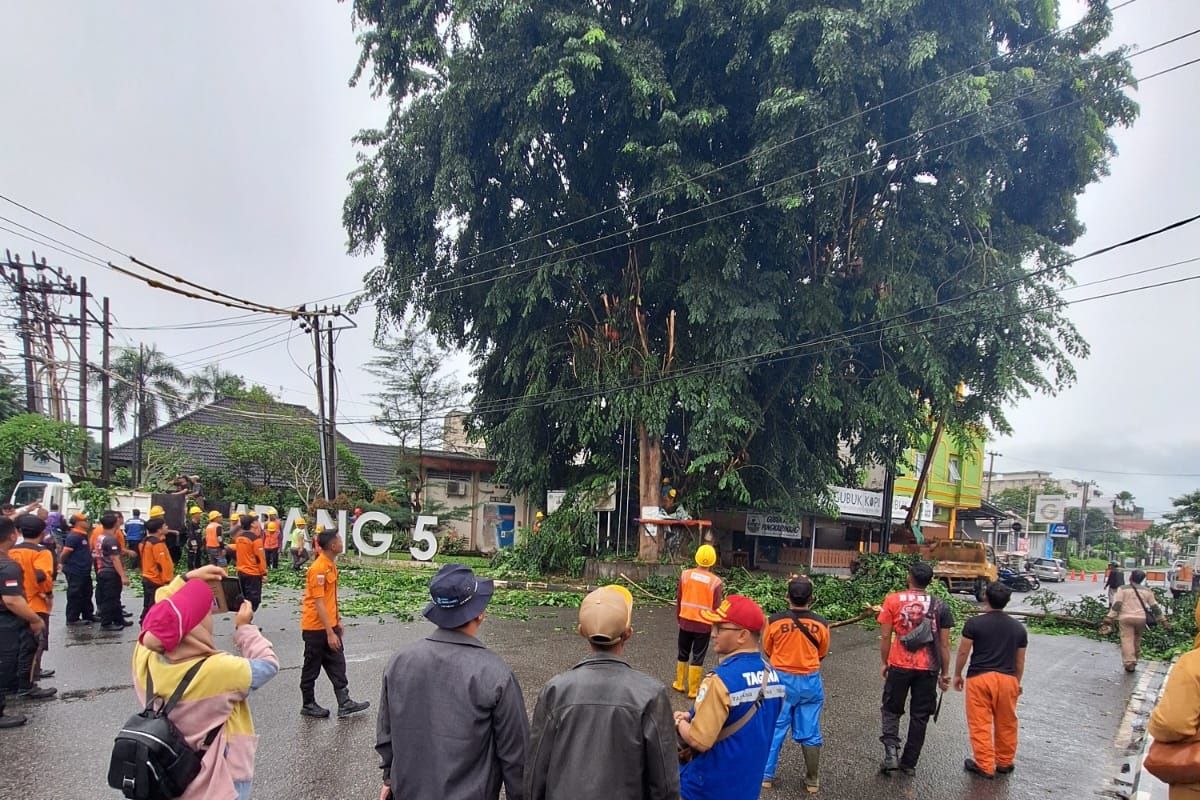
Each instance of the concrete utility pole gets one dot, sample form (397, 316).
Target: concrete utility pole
(991, 470)
(1086, 489)
(14, 264)
(322, 420)
(105, 392)
(331, 419)
(83, 372)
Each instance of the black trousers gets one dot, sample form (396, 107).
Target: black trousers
(10, 651)
(900, 683)
(27, 656)
(299, 559)
(148, 591)
(252, 589)
(693, 647)
(318, 654)
(108, 598)
(272, 558)
(173, 547)
(194, 557)
(79, 597)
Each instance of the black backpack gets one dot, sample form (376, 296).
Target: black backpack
(150, 758)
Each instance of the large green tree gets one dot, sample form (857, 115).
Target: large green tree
(618, 208)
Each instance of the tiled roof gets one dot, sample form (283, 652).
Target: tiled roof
(379, 461)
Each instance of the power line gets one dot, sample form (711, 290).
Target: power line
(1107, 471)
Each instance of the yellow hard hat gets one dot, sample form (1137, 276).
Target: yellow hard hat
(271, 512)
(671, 493)
(272, 526)
(706, 556)
(318, 530)
(195, 510)
(213, 516)
(539, 515)
(301, 523)
(156, 511)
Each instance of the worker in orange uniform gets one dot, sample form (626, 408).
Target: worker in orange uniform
(213, 542)
(37, 567)
(158, 568)
(699, 590)
(251, 560)
(796, 641)
(271, 542)
(321, 630)
(996, 644)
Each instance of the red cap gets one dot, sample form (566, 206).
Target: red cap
(738, 610)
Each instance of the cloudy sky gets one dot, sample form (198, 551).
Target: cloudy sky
(213, 140)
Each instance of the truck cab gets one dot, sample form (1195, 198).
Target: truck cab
(963, 565)
(52, 488)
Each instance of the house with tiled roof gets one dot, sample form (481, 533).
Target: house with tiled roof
(454, 479)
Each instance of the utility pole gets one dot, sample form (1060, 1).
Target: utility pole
(885, 515)
(331, 417)
(105, 394)
(1086, 489)
(322, 420)
(138, 400)
(991, 470)
(83, 372)
(31, 400)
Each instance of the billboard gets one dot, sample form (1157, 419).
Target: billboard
(1049, 508)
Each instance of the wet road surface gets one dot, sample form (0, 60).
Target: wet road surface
(1075, 694)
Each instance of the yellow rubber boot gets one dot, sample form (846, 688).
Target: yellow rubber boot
(680, 676)
(695, 675)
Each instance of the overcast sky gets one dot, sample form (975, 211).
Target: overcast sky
(214, 139)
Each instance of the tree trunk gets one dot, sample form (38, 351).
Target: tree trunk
(649, 491)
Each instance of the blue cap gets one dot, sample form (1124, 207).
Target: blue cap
(458, 596)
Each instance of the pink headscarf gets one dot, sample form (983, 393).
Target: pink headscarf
(171, 621)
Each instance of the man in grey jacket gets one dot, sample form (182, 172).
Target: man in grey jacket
(602, 730)
(452, 719)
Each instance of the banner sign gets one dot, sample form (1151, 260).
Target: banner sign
(773, 525)
(1049, 508)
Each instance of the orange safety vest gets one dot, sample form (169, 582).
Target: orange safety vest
(697, 592)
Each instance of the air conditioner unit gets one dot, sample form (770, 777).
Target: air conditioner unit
(456, 489)
(488, 487)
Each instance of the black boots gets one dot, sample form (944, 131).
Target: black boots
(891, 758)
(311, 709)
(346, 706)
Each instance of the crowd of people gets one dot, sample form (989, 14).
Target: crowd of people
(451, 718)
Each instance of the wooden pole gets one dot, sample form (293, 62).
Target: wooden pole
(331, 417)
(83, 372)
(105, 393)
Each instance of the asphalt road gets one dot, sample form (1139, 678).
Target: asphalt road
(1075, 694)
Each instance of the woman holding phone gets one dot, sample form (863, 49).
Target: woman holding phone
(176, 633)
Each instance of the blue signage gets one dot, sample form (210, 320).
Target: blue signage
(1057, 529)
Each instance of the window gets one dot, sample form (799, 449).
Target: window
(918, 462)
(952, 470)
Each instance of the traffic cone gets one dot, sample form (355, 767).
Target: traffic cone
(1095, 577)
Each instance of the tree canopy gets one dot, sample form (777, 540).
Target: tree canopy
(618, 209)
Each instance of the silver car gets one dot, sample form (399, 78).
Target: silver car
(1050, 569)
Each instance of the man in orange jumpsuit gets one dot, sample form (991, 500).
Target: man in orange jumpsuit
(37, 567)
(699, 590)
(251, 560)
(996, 645)
(158, 568)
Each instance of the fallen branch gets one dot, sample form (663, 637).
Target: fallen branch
(643, 589)
(868, 614)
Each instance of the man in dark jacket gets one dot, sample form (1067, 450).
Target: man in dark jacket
(635, 758)
(452, 719)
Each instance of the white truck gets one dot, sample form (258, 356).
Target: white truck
(1186, 570)
(54, 488)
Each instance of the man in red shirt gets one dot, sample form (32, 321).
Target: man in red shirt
(914, 646)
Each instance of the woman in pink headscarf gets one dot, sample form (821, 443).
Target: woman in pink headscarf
(177, 631)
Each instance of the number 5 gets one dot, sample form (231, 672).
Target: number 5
(420, 534)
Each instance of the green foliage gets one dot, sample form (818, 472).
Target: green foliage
(561, 545)
(534, 193)
(213, 383)
(42, 437)
(12, 395)
(1160, 643)
(94, 499)
(147, 387)
(1020, 501)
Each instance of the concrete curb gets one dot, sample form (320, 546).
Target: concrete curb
(1130, 782)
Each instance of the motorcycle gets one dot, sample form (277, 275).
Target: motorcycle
(1019, 581)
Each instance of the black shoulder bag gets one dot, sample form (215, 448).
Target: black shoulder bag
(1151, 620)
(151, 760)
(804, 629)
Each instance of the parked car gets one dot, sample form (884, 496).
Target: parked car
(1049, 569)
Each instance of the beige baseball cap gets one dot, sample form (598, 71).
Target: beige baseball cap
(606, 614)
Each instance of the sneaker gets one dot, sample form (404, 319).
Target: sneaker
(351, 707)
(1005, 770)
(314, 710)
(970, 766)
(112, 626)
(891, 759)
(36, 692)
(11, 721)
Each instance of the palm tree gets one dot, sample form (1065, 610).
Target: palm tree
(144, 388)
(211, 383)
(1123, 502)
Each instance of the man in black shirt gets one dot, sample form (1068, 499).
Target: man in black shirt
(17, 619)
(996, 645)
